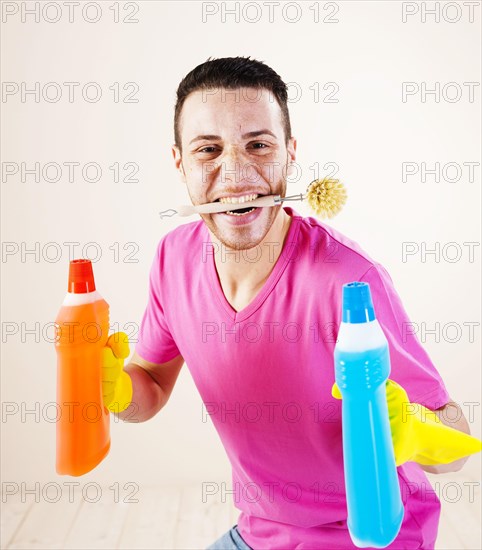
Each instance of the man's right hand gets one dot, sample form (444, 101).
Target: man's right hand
(116, 383)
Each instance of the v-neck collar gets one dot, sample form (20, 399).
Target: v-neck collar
(276, 272)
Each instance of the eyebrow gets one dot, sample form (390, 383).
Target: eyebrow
(244, 136)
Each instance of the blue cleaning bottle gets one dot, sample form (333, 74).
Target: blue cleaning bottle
(362, 366)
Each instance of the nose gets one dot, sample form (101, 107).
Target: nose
(231, 163)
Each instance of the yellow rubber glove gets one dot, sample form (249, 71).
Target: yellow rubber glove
(116, 383)
(418, 434)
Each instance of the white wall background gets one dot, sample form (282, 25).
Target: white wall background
(368, 133)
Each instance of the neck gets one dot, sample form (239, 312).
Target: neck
(238, 273)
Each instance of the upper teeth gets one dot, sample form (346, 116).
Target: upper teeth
(237, 200)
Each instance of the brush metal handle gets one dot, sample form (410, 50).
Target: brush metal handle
(215, 207)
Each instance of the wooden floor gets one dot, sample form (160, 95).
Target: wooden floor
(174, 518)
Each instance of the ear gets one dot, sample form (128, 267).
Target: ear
(176, 153)
(291, 155)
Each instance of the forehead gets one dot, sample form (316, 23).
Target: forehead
(221, 111)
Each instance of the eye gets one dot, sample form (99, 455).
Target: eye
(259, 143)
(203, 150)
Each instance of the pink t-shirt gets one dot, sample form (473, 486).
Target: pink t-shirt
(265, 375)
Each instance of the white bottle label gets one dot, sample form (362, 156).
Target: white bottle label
(356, 337)
(78, 299)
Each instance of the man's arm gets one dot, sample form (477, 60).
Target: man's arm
(450, 411)
(152, 385)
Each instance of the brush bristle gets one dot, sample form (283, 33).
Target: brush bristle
(326, 197)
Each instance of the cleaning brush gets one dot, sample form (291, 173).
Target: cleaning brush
(325, 197)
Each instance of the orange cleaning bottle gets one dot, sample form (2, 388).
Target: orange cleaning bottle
(83, 422)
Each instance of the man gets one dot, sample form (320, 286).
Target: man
(251, 302)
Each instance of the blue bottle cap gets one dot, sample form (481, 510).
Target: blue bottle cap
(357, 303)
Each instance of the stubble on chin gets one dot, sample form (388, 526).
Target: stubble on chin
(241, 238)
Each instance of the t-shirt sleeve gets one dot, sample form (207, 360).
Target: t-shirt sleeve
(410, 364)
(156, 343)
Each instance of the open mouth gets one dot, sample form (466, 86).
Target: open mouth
(241, 211)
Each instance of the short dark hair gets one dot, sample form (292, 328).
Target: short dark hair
(232, 73)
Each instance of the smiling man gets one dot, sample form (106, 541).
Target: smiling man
(248, 155)
(251, 301)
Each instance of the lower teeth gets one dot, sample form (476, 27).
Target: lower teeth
(234, 213)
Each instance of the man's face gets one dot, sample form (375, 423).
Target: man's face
(221, 156)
